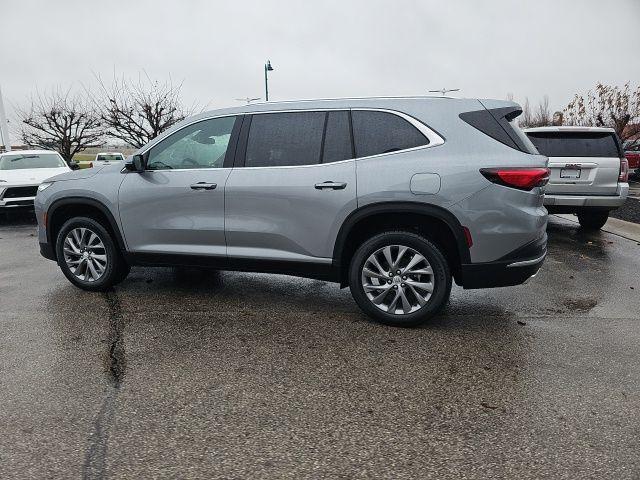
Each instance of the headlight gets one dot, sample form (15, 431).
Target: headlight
(44, 186)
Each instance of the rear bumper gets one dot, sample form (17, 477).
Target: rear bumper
(598, 201)
(513, 269)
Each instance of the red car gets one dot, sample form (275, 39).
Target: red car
(632, 153)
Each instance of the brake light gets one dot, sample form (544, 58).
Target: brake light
(624, 170)
(522, 178)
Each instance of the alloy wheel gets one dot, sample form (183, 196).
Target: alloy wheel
(85, 254)
(397, 279)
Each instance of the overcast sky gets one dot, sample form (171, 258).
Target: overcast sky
(322, 49)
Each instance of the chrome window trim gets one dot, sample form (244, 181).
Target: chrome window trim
(300, 166)
(433, 138)
(219, 169)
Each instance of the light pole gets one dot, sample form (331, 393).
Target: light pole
(4, 133)
(267, 68)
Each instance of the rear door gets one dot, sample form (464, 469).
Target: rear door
(581, 163)
(293, 187)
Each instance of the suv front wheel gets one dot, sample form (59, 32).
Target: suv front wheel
(399, 278)
(87, 255)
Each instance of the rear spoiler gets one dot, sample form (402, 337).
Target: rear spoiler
(494, 122)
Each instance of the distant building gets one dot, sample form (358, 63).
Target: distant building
(15, 147)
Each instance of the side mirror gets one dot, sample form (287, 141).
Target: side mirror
(73, 165)
(135, 163)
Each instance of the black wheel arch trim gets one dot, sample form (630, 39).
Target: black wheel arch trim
(92, 203)
(434, 211)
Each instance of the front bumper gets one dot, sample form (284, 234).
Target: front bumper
(512, 269)
(597, 201)
(16, 202)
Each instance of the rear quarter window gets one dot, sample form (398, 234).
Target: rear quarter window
(376, 132)
(578, 144)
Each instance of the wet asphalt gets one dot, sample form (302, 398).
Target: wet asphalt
(202, 374)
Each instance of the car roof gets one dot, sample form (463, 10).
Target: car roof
(376, 103)
(569, 129)
(27, 152)
(109, 153)
(323, 103)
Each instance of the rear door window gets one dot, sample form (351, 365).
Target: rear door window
(383, 132)
(285, 139)
(575, 144)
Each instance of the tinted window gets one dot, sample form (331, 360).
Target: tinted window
(381, 132)
(201, 145)
(284, 139)
(584, 144)
(337, 139)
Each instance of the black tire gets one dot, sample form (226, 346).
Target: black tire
(441, 278)
(593, 220)
(116, 269)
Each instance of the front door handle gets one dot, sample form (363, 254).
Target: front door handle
(203, 186)
(331, 185)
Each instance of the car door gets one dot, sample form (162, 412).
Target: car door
(293, 187)
(176, 206)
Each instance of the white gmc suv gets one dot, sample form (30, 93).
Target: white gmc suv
(589, 172)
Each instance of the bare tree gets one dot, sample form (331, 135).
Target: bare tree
(543, 116)
(607, 106)
(540, 118)
(62, 121)
(137, 112)
(526, 119)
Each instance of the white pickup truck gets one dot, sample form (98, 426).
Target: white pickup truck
(107, 158)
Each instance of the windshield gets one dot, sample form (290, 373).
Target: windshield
(110, 157)
(575, 144)
(32, 160)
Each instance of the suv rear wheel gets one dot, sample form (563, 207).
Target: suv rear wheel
(87, 255)
(399, 278)
(594, 220)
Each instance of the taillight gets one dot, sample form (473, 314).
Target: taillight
(90, 164)
(624, 170)
(522, 178)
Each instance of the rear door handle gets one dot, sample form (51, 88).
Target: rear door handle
(203, 186)
(331, 185)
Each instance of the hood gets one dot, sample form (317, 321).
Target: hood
(76, 174)
(29, 176)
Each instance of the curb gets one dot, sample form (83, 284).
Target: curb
(621, 228)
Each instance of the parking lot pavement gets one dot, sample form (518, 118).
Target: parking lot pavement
(187, 374)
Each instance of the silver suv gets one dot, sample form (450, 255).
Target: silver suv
(392, 197)
(589, 172)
